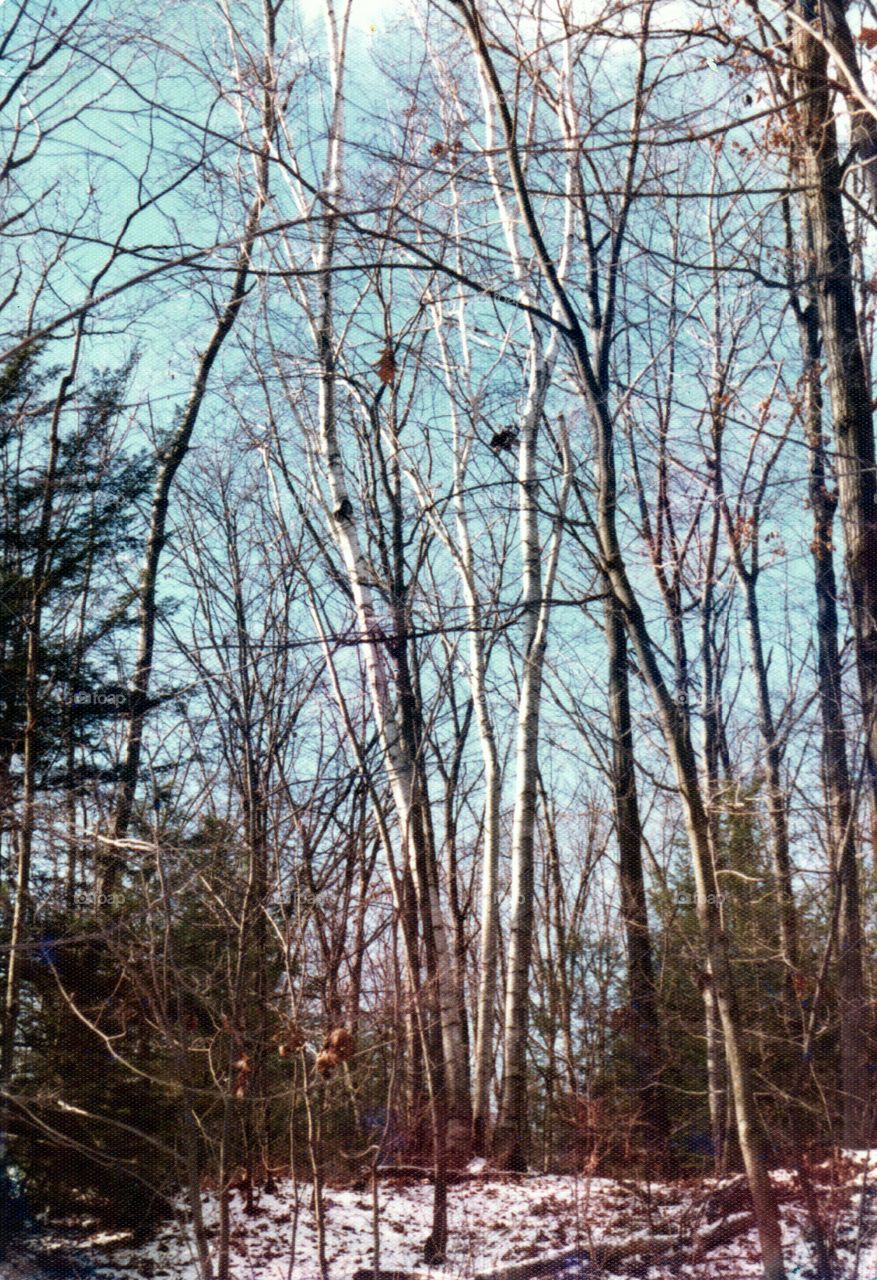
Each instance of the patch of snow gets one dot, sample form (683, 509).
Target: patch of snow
(493, 1221)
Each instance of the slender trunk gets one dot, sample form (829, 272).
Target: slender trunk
(646, 1039)
(489, 933)
(560, 975)
(717, 1083)
(223, 1247)
(42, 564)
(463, 557)
(365, 865)
(460, 949)
(177, 1037)
(417, 1093)
(838, 788)
(71, 794)
(717, 1080)
(73, 791)
(444, 984)
(486, 1003)
(431, 1029)
(191, 1141)
(676, 733)
(171, 458)
(776, 798)
(511, 1137)
(313, 1114)
(254, 775)
(846, 373)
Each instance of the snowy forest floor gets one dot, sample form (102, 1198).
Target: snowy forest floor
(496, 1222)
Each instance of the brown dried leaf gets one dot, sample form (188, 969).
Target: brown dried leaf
(326, 1062)
(387, 367)
(340, 1043)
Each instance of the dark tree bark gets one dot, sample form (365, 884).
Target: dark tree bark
(845, 371)
(835, 765)
(647, 1037)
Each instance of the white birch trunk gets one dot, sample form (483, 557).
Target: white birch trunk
(591, 378)
(461, 552)
(400, 765)
(510, 1142)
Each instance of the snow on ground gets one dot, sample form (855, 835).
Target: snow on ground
(496, 1221)
(488, 1224)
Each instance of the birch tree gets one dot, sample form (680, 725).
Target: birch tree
(591, 372)
(537, 585)
(460, 546)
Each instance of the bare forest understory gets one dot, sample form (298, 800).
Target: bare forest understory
(438, 639)
(528, 1227)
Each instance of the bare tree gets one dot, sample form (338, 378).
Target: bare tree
(849, 389)
(173, 452)
(591, 374)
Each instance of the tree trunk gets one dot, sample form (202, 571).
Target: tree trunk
(42, 566)
(682, 756)
(846, 374)
(511, 1137)
(489, 935)
(555, 907)
(392, 700)
(462, 554)
(717, 1083)
(446, 985)
(836, 775)
(171, 458)
(776, 798)
(647, 1038)
(458, 917)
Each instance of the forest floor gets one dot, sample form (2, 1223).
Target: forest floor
(499, 1222)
